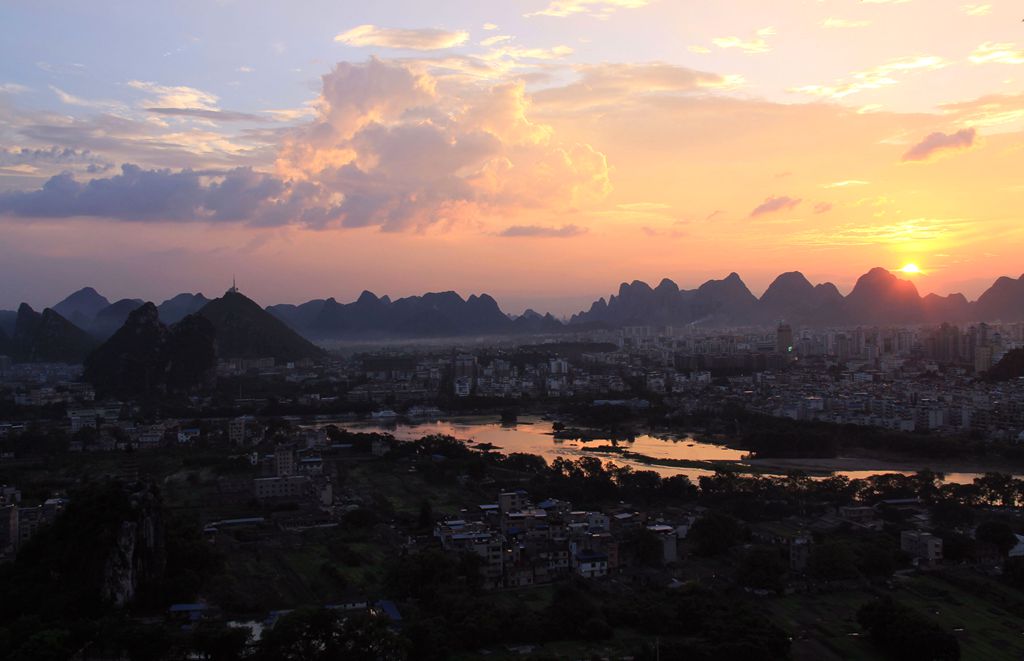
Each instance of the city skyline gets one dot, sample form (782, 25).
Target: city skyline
(540, 151)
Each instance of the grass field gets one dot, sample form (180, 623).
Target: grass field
(825, 626)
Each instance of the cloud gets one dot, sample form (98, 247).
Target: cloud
(754, 45)
(419, 39)
(496, 39)
(547, 232)
(883, 75)
(997, 53)
(390, 147)
(400, 152)
(939, 142)
(846, 183)
(822, 207)
(977, 10)
(600, 84)
(844, 23)
(203, 113)
(62, 156)
(151, 195)
(175, 96)
(12, 88)
(774, 204)
(601, 9)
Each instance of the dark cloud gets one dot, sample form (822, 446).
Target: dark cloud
(822, 207)
(773, 204)
(939, 141)
(540, 231)
(53, 156)
(139, 195)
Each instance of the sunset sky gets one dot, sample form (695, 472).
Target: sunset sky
(539, 150)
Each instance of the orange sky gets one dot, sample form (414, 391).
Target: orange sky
(539, 151)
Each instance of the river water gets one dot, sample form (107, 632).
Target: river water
(533, 435)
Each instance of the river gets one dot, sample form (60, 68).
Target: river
(534, 435)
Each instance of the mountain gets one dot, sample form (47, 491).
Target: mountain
(1003, 301)
(792, 298)
(7, 319)
(534, 323)
(245, 330)
(440, 314)
(1010, 366)
(145, 357)
(48, 338)
(722, 302)
(299, 317)
(109, 319)
(175, 309)
(81, 307)
(879, 297)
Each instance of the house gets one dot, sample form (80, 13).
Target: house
(590, 564)
(924, 547)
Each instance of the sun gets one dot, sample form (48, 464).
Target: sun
(911, 269)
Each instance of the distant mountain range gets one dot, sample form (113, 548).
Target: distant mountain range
(244, 330)
(444, 314)
(879, 297)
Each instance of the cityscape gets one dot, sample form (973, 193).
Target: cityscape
(456, 330)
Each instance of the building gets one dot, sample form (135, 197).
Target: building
(924, 547)
(276, 488)
(590, 564)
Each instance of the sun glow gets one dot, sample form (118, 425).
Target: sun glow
(911, 269)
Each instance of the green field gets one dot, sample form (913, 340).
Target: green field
(824, 626)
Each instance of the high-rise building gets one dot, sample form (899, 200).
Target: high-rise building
(784, 340)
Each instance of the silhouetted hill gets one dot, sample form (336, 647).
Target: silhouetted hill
(441, 314)
(299, 317)
(245, 330)
(145, 357)
(1003, 301)
(109, 319)
(81, 307)
(175, 309)
(7, 319)
(792, 298)
(879, 297)
(48, 338)
(1010, 366)
(534, 323)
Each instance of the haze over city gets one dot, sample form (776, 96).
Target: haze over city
(541, 151)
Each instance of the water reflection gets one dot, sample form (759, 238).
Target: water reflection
(533, 435)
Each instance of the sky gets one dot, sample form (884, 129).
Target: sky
(542, 151)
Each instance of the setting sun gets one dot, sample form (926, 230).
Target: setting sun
(911, 268)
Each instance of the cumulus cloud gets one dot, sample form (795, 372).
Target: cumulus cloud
(774, 204)
(938, 142)
(403, 153)
(596, 8)
(419, 39)
(390, 147)
(540, 231)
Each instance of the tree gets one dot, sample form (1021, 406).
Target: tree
(904, 633)
(320, 634)
(998, 533)
(762, 568)
(714, 533)
(832, 561)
